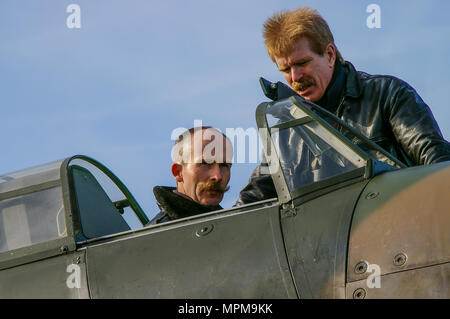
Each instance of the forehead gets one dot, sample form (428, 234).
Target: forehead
(211, 146)
(299, 50)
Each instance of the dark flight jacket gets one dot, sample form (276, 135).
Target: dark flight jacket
(174, 206)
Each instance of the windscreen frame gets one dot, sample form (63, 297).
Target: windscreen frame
(284, 194)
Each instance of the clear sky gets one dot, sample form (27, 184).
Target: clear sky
(117, 87)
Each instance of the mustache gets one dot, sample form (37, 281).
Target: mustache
(214, 186)
(303, 84)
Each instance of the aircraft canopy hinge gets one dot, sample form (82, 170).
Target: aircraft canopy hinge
(288, 210)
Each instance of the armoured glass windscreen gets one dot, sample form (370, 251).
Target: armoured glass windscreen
(32, 218)
(307, 152)
(30, 176)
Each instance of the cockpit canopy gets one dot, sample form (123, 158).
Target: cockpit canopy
(52, 207)
(307, 147)
(307, 152)
(31, 207)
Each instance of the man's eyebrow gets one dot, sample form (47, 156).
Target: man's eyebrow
(299, 61)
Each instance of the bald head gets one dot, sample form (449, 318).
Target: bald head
(200, 144)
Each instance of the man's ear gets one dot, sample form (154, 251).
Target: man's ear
(330, 51)
(177, 172)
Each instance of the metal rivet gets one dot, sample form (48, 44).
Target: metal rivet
(359, 293)
(361, 267)
(205, 230)
(400, 259)
(372, 195)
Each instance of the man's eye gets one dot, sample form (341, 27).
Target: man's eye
(303, 63)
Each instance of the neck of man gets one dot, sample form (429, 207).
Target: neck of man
(335, 89)
(177, 205)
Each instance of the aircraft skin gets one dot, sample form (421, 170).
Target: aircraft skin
(384, 233)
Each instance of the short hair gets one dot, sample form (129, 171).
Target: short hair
(284, 28)
(185, 139)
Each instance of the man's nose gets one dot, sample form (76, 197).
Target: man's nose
(215, 173)
(296, 73)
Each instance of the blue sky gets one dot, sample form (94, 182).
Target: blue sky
(116, 88)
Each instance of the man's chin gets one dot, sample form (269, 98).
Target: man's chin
(211, 201)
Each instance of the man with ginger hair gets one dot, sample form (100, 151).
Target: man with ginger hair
(384, 108)
(201, 166)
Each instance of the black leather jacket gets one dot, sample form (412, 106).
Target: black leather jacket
(174, 206)
(385, 109)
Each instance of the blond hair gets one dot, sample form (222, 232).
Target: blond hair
(284, 28)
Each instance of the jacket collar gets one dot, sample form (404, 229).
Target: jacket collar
(176, 206)
(335, 89)
(353, 82)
